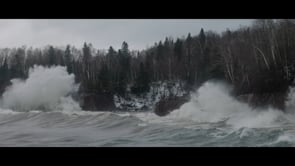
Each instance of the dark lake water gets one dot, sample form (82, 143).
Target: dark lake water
(81, 128)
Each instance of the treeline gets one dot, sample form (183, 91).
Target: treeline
(255, 59)
(117, 71)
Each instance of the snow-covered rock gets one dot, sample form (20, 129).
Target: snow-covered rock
(148, 100)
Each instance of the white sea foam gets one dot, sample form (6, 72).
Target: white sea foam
(45, 89)
(212, 103)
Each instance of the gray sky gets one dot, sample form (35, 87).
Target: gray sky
(102, 33)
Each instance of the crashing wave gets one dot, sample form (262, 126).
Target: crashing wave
(46, 88)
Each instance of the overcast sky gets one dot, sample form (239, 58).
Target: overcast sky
(102, 33)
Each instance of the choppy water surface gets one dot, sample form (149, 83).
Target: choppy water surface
(211, 118)
(130, 129)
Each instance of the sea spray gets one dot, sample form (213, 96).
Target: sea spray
(191, 125)
(212, 103)
(45, 89)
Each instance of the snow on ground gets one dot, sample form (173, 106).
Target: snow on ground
(147, 101)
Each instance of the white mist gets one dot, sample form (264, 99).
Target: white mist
(45, 88)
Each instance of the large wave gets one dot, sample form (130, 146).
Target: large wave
(49, 88)
(212, 103)
(46, 88)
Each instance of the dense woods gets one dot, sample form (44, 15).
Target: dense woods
(257, 60)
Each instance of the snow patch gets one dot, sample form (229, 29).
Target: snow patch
(148, 100)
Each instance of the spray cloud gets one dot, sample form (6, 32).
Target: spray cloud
(44, 89)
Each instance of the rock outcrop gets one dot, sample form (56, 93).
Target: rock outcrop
(275, 100)
(167, 105)
(97, 102)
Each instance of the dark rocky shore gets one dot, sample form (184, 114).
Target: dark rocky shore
(275, 100)
(167, 105)
(105, 102)
(97, 102)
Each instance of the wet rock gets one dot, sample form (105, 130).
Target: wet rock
(274, 100)
(97, 102)
(167, 105)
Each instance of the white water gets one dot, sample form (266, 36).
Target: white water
(212, 103)
(45, 88)
(39, 112)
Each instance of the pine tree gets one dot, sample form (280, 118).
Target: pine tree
(4, 76)
(68, 59)
(124, 49)
(188, 60)
(202, 38)
(204, 57)
(160, 51)
(86, 61)
(111, 53)
(105, 80)
(142, 81)
(86, 54)
(4, 71)
(52, 56)
(123, 75)
(178, 49)
(17, 65)
(125, 58)
(121, 84)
